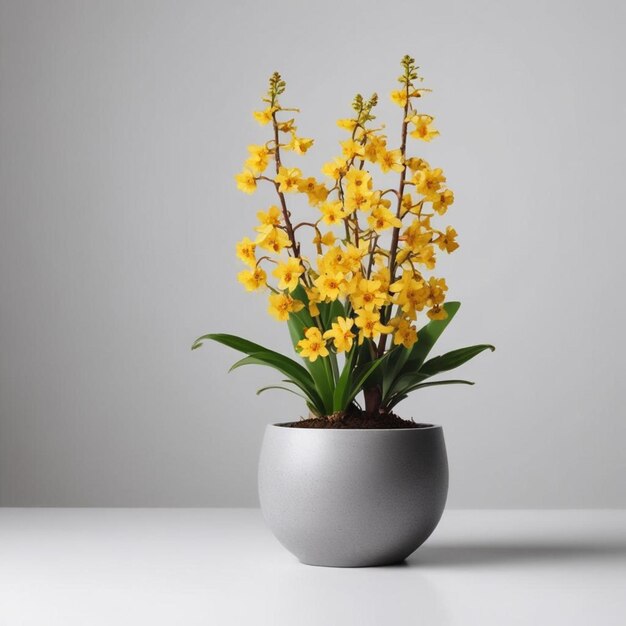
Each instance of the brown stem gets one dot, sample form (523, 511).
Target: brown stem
(373, 400)
(396, 231)
(292, 237)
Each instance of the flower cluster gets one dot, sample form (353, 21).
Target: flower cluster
(372, 246)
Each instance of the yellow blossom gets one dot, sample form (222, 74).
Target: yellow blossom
(299, 144)
(313, 295)
(351, 148)
(287, 127)
(258, 159)
(269, 218)
(415, 164)
(404, 334)
(412, 293)
(376, 146)
(426, 256)
(447, 241)
(245, 251)
(327, 239)
(391, 160)
(438, 288)
(341, 334)
(288, 179)
(428, 182)
(423, 128)
(332, 212)
(369, 325)
(263, 117)
(382, 218)
(288, 273)
(347, 124)
(273, 239)
(282, 304)
(335, 169)
(357, 198)
(252, 280)
(313, 345)
(368, 295)
(316, 192)
(442, 201)
(246, 181)
(399, 97)
(437, 313)
(330, 285)
(358, 179)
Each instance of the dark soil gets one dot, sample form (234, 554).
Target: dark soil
(357, 420)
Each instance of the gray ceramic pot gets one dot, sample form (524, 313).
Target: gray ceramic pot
(352, 498)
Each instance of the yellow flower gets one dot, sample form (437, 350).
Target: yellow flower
(399, 97)
(287, 127)
(258, 159)
(428, 182)
(357, 198)
(442, 201)
(288, 273)
(390, 160)
(416, 164)
(382, 218)
(347, 124)
(330, 285)
(263, 117)
(299, 144)
(411, 293)
(332, 212)
(313, 345)
(438, 290)
(447, 241)
(405, 334)
(358, 179)
(246, 181)
(313, 295)
(269, 218)
(353, 255)
(426, 256)
(281, 304)
(327, 239)
(423, 128)
(437, 313)
(315, 191)
(368, 295)
(341, 334)
(245, 251)
(288, 179)
(375, 146)
(415, 236)
(335, 169)
(351, 148)
(369, 325)
(273, 239)
(252, 280)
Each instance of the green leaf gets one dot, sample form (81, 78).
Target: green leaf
(401, 396)
(428, 335)
(343, 385)
(259, 355)
(268, 387)
(320, 369)
(294, 371)
(408, 362)
(452, 360)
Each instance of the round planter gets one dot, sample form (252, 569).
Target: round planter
(352, 498)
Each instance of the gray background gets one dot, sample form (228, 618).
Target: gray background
(121, 125)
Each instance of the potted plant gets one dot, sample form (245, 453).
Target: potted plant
(353, 484)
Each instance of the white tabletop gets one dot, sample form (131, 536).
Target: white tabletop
(222, 566)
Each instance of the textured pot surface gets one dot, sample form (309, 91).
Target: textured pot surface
(352, 498)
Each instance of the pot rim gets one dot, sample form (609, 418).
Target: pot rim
(425, 427)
